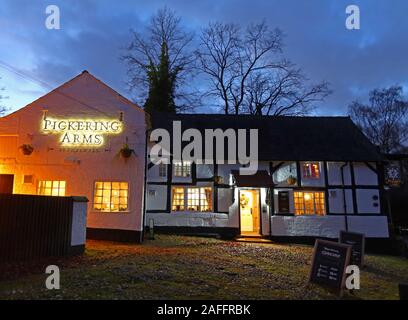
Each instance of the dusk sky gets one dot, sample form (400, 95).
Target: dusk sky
(94, 33)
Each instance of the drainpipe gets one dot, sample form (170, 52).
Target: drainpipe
(344, 195)
(145, 183)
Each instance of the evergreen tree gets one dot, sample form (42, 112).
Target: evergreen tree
(161, 64)
(161, 84)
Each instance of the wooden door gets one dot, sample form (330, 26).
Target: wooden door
(250, 212)
(256, 212)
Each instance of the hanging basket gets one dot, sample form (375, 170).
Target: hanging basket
(218, 179)
(126, 152)
(291, 180)
(27, 149)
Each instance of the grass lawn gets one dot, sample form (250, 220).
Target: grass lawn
(177, 267)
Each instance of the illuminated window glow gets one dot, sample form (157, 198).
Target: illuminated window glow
(182, 169)
(111, 196)
(197, 199)
(309, 203)
(311, 170)
(51, 188)
(178, 199)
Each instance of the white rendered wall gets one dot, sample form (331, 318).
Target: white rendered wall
(363, 175)
(156, 197)
(78, 232)
(334, 173)
(153, 174)
(366, 201)
(375, 227)
(329, 226)
(336, 200)
(78, 167)
(224, 199)
(187, 219)
(312, 226)
(205, 171)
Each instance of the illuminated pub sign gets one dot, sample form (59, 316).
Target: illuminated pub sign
(81, 132)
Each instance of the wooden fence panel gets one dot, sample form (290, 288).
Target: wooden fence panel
(34, 226)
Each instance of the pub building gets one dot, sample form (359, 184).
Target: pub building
(315, 177)
(81, 139)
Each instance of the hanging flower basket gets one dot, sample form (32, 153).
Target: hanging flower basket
(126, 152)
(291, 180)
(218, 179)
(27, 149)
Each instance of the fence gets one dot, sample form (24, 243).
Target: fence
(40, 226)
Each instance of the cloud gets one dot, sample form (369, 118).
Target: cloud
(94, 32)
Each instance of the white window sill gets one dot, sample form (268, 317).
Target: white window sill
(198, 214)
(110, 212)
(310, 215)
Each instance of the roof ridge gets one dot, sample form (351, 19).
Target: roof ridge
(110, 88)
(244, 115)
(83, 73)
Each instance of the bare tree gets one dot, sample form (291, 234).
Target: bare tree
(282, 93)
(384, 119)
(145, 51)
(248, 74)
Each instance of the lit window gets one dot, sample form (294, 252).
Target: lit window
(197, 199)
(309, 203)
(111, 196)
(178, 199)
(162, 170)
(182, 168)
(51, 188)
(311, 170)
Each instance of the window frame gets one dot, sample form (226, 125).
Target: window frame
(39, 181)
(307, 173)
(186, 199)
(32, 180)
(162, 167)
(184, 172)
(111, 197)
(181, 199)
(319, 203)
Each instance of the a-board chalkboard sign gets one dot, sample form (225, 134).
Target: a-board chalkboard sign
(357, 241)
(329, 263)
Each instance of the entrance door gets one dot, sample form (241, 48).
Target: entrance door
(6, 183)
(249, 212)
